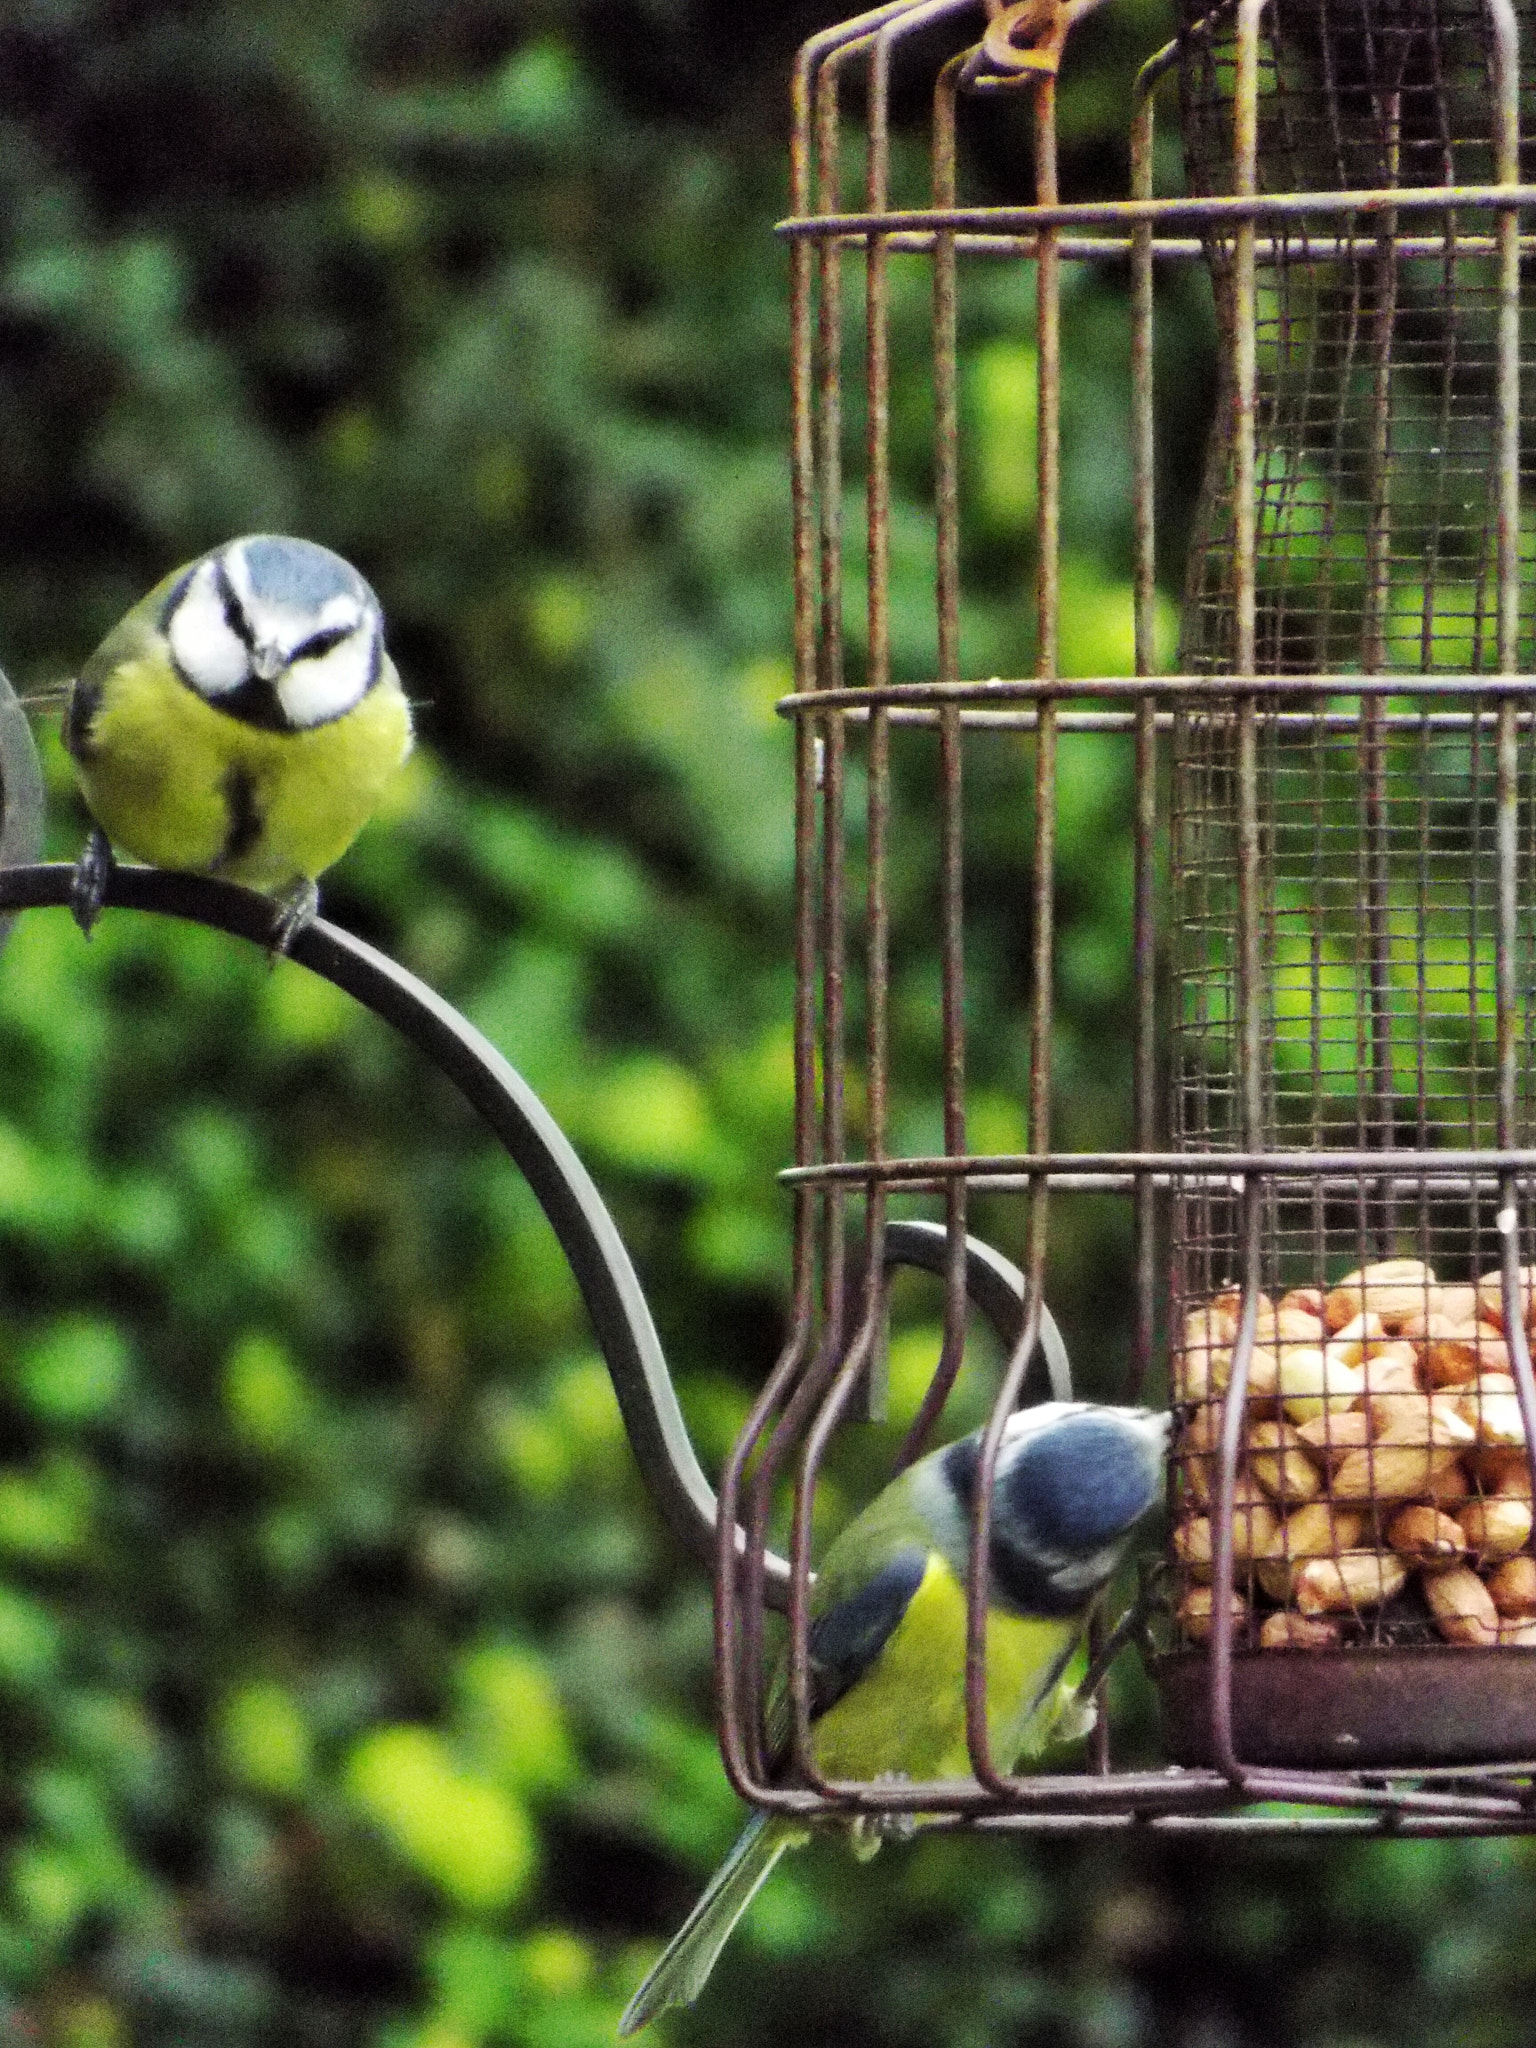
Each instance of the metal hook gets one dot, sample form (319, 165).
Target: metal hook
(1025, 39)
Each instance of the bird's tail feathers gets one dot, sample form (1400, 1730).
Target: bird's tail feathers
(683, 1968)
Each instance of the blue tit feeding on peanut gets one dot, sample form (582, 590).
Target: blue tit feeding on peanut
(888, 1632)
(242, 720)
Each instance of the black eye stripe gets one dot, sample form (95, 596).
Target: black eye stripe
(321, 643)
(234, 617)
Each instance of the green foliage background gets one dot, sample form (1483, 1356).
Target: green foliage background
(350, 1690)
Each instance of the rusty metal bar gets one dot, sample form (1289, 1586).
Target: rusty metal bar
(1373, 656)
(1279, 1163)
(946, 443)
(1506, 91)
(1214, 212)
(741, 1593)
(1283, 723)
(1186, 249)
(1240, 313)
(1047, 605)
(832, 938)
(877, 491)
(1053, 689)
(1144, 910)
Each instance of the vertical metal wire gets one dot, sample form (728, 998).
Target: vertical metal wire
(1048, 536)
(1506, 81)
(833, 942)
(946, 465)
(739, 1592)
(1144, 912)
(1373, 755)
(1246, 1035)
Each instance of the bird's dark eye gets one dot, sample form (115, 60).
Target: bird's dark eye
(321, 643)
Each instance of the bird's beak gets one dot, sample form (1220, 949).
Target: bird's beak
(268, 662)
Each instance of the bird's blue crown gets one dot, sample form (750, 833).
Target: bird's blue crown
(1081, 1483)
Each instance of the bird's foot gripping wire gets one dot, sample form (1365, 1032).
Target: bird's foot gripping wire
(870, 1830)
(1132, 1627)
(296, 909)
(93, 871)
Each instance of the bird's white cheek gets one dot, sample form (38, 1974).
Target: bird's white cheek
(212, 658)
(316, 690)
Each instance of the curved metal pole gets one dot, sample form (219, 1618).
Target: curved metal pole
(993, 1283)
(542, 1153)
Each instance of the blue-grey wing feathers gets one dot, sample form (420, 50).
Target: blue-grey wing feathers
(846, 1640)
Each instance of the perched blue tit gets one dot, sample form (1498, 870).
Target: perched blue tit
(888, 1633)
(242, 720)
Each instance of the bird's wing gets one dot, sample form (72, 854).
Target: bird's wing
(131, 639)
(846, 1637)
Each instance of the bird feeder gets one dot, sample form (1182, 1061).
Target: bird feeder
(1332, 885)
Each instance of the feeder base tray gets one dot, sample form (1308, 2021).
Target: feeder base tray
(1401, 1708)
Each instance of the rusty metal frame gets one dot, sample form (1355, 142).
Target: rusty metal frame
(824, 1366)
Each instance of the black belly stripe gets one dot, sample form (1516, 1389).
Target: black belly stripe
(245, 819)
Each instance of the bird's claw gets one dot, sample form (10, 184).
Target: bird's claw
(88, 887)
(296, 909)
(871, 1830)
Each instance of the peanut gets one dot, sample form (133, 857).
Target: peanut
(1263, 1375)
(1492, 1407)
(1391, 1287)
(1496, 1528)
(1317, 1530)
(1505, 1471)
(1305, 1301)
(1428, 1537)
(1354, 1579)
(1455, 1353)
(1295, 1325)
(1332, 1437)
(1449, 1487)
(1358, 1338)
(1193, 1546)
(1513, 1588)
(1288, 1631)
(1255, 1525)
(1311, 1382)
(1198, 1449)
(1205, 1330)
(1278, 1460)
(1386, 1471)
(1462, 1606)
(1196, 1612)
(1490, 1296)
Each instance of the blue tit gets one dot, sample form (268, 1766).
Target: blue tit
(242, 720)
(888, 1632)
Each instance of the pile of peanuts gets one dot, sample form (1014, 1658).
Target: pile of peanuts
(1382, 1442)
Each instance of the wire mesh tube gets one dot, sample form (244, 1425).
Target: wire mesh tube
(1354, 895)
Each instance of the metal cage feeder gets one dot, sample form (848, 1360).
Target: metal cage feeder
(1334, 889)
